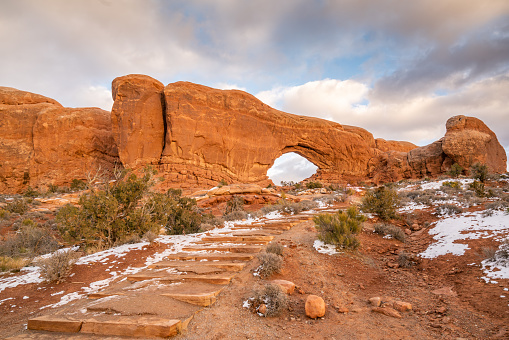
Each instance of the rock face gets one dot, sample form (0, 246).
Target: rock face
(197, 136)
(137, 118)
(42, 142)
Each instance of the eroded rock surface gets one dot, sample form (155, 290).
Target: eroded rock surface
(43, 143)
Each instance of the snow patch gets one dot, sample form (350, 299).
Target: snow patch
(323, 248)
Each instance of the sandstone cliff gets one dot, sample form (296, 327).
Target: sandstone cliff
(43, 143)
(197, 136)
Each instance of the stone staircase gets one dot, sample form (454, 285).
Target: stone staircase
(160, 301)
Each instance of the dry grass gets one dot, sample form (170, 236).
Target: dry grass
(275, 248)
(389, 229)
(58, 266)
(273, 297)
(269, 264)
(13, 264)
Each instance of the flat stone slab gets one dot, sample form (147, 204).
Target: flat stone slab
(52, 323)
(238, 238)
(220, 279)
(185, 266)
(211, 257)
(230, 249)
(200, 299)
(139, 327)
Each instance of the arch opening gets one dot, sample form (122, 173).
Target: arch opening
(291, 167)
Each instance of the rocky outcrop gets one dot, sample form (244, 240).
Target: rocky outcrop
(467, 141)
(197, 136)
(43, 143)
(137, 119)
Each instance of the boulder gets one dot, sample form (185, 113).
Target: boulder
(315, 307)
(287, 286)
(401, 306)
(137, 119)
(375, 301)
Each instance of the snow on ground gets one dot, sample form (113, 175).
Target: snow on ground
(438, 184)
(465, 226)
(323, 248)
(412, 206)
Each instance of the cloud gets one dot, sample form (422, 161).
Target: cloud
(291, 167)
(419, 119)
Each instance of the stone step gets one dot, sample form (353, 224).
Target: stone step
(138, 327)
(238, 238)
(186, 266)
(200, 299)
(226, 248)
(210, 257)
(219, 279)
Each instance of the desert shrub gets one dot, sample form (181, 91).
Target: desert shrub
(478, 188)
(405, 260)
(340, 229)
(389, 229)
(332, 198)
(150, 236)
(58, 266)
(268, 208)
(13, 264)
(269, 264)
(4, 214)
(273, 297)
(381, 201)
(500, 255)
(18, 206)
(275, 248)
(314, 185)
(236, 203)
(448, 209)
(236, 215)
(455, 170)
(222, 183)
(78, 184)
(212, 220)
(29, 241)
(288, 207)
(111, 215)
(29, 192)
(479, 172)
(452, 184)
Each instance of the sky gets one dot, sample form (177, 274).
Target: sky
(399, 69)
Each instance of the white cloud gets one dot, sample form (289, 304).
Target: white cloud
(94, 96)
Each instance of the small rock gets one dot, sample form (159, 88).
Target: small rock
(415, 227)
(408, 231)
(441, 310)
(315, 307)
(301, 291)
(361, 286)
(262, 309)
(401, 306)
(387, 311)
(392, 265)
(375, 301)
(343, 310)
(287, 286)
(447, 291)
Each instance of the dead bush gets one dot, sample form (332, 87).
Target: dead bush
(58, 266)
(405, 260)
(275, 248)
(273, 297)
(269, 264)
(13, 264)
(235, 204)
(150, 236)
(391, 230)
(29, 241)
(18, 206)
(236, 215)
(448, 209)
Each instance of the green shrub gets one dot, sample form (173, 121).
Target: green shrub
(29, 192)
(456, 170)
(340, 229)
(314, 185)
(452, 184)
(478, 188)
(4, 214)
(112, 215)
(389, 229)
(222, 183)
(479, 172)
(78, 185)
(18, 206)
(381, 201)
(273, 297)
(269, 264)
(58, 266)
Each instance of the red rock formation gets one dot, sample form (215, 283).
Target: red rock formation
(138, 119)
(392, 145)
(43, 143)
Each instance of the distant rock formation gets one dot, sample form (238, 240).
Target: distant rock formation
(42, 142)
(197, 136)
